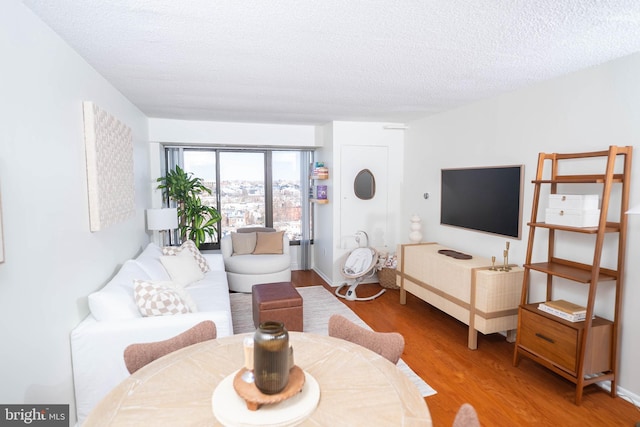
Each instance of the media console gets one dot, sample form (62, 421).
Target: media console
(467, 289)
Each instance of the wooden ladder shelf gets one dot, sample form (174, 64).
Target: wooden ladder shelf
(583, 352)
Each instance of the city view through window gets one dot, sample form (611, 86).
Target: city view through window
(243, 188)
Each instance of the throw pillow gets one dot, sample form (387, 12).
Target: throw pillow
(156, 300)
(269, 243)
(191, 247)
(243, 243)
(182, 268)
(181, 291)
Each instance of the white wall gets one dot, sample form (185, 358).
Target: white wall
(584, 111)
(52, 260)
(333, 240)
(191, 132)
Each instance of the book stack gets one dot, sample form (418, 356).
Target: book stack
(564, 309)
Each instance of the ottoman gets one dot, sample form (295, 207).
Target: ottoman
(278, 302)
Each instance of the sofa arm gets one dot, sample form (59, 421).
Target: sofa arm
(97, 349)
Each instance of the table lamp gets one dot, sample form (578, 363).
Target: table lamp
(163, 220)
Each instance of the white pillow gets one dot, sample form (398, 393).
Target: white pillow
(149, 261)
(188, 246)
(113, 303)
(182, 268)
(157, 300)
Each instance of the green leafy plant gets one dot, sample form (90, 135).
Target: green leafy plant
(195, 220)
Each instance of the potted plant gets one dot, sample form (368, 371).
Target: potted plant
(195, 220)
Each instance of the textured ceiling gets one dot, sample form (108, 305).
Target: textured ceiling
(310, 62)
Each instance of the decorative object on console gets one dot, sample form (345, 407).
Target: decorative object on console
(505, 254)
(162, 220)
(415, 236)
(109, 154)
(454, 254)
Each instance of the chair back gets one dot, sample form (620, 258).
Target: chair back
(389, 345)
(138, 355)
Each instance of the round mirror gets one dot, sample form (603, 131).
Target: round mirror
(364, 185)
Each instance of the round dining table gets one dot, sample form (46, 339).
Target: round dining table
(357, 386)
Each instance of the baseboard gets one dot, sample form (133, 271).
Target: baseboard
(630, 397)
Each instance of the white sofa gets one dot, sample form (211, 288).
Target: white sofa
(246, 268)
(98, 342)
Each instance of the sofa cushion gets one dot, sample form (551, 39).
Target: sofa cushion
(154, 299)
(182, 268)
(191, 247)
(115, 300)
(251, 264)
(149, 260)
(268, 243)
(243, 243)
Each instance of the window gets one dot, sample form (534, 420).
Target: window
(262, 188)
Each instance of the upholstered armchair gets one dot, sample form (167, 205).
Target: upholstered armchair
(255, 255)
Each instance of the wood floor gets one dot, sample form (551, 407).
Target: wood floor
(503, 395)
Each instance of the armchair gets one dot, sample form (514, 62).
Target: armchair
(255, 255)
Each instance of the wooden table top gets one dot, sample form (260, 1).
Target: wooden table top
(357, 386)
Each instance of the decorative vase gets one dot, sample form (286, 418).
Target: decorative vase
(271, 357)
(415, 236)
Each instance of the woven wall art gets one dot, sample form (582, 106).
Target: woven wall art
(110, 182)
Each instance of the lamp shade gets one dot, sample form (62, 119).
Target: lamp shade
(162, 219)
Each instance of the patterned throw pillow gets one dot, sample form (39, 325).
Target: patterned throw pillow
(191, 247)
(153, 299)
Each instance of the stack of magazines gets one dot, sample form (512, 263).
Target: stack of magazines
(564, 309)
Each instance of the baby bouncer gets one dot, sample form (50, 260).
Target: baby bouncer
(359, 265)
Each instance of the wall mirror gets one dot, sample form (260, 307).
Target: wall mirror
(365, 185)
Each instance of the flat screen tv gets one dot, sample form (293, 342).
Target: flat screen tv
(487, 199)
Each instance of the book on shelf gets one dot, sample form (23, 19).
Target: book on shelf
(567, 307)
(578, 317)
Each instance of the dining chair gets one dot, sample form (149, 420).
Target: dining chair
(138, 355)
(466, 417)
(387, 344)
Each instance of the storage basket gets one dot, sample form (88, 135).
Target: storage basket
(387, 278)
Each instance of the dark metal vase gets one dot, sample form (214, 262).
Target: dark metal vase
(271, 357)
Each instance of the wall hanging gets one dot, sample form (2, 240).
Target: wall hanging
(109, 152)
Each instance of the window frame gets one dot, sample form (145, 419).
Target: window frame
(178, 157)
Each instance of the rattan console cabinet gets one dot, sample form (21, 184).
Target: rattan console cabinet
(467, 289)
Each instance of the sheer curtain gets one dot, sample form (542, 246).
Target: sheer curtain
(305, 191)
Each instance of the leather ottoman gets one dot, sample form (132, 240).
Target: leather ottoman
(278, 302)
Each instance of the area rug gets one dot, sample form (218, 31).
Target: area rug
(318, 305)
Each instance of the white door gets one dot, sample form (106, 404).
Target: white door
(366, 215)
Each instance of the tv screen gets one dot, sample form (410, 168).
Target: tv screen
(487, 199)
